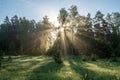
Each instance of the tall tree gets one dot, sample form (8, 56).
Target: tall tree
(46, 20)
(99, 24)
(73, 15)
(62, 16)
(116, 21)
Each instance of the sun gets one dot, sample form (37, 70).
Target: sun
(53, 18)
(55, 22)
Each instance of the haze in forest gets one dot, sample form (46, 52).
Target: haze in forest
(59, 40)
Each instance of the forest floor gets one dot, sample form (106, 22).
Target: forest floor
(44, 68)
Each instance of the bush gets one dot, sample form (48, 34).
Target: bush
(93, 57)
(10, 58)
(113, 57)
(103, 48)
(84, 58)
(0, 62)
(57, 57)
(1, 57)
(117, 51)
(35, 52)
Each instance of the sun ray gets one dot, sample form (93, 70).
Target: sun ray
(75, 42)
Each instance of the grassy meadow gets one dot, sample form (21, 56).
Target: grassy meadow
(44, 68)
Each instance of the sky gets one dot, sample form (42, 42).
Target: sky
(37, 9)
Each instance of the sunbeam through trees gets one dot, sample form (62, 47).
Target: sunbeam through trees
(73, 47)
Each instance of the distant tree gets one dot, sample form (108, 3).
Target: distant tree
(88, 26)
(109, 27)
(46, 20)
(62, 16)
(73, 18)
(73, 15)
(73, 10)
(15, 20)
(7, 21)
(46, 23)
(116, 21)
(4, 34)
(115, 33)
(100, 34)
(99, 25)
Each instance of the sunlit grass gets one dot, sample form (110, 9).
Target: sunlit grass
(44, 68)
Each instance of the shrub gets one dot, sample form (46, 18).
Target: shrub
(0, 62)
(57, 57)
(117, 50)
(84, 58)
(35, 52)
(1, 57)
(103, 48)
(113, 57)
(93, 57)
(9, 58)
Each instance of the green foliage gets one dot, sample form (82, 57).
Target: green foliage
(93, 57)
(45, 20)
(35, 52)
(73, 10)
(11, 48)
(62, 16)
(103, 48)
(84, 57)
(96, 38)
(1, 57)
(57, 57)
(86, 76)
(10, 58)
(116, 51)
(99, 35)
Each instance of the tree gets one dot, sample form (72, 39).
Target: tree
(45, 20)
(115, 33)
(99, 25)
(62, 16)
(88, 26)
(116, 21)
(7, 21)
(15, 20)
(73, 10)
(46, 24)
(109, 28)
(57, 51)
(4, 34)
(73, 15)
(62, 20)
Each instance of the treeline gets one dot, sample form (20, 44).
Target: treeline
(101, 34)
(19, 35)
(98, 36)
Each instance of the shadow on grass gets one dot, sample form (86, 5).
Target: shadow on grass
(24, 65)
(43, 68)
(89, 74)
(106, 64)
(21, 57)
(48, 71)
